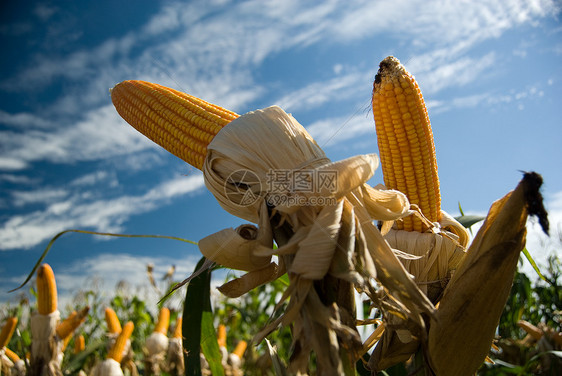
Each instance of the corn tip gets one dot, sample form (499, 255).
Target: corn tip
(221, 335)
(46, 290)
(163, 321)
(7, 331)
(240, 348)
(116, 351)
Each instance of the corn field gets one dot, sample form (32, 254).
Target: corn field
(337, 277)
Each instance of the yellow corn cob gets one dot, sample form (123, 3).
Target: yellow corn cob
(221, 336)
(182, 124)
(46, 290)
(12, 355)
(73, 321)
(79, 344)
(405, 141)
(7, 331)
(177, 331)
(113, 324)
(163, 321)
(116, 351)
(240, 348)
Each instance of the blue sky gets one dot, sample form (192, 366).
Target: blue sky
(490, 72)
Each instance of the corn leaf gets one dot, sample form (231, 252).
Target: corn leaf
(533, 263)
(469, 220)
(52, 241)
(197, 329)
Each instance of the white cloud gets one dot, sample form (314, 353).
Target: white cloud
(101, 134)
(336, 130)
(44, 12)
(106, 215)
(22, 120)
(318, 93)
(106, 273)
(487, 99)
(452, 73)
(11, 164)
(94, 178)
(44, 195)
(195, 52)
(439, 22)
(18, 179)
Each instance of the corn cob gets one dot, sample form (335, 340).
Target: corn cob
(8, 331)
(79, 344)
(73, 321)
(46, 290)
(113, 324)
(116, 351)
(177, 331)
(221, 335)
(240, 348)
(182, 124)
(163, 321)
(12, 355)
(405, 141)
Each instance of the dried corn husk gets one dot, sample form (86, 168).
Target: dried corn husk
(242, 244)
(326, 235)
(108, 367)
(19, 368)
(174, 359)
(6, 365)
(156, 346)
(440, 251)
(431, 258)
(469, 312)
(46, 351)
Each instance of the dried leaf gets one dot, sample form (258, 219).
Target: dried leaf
(475, 297)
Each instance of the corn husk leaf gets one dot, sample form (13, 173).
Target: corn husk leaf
(175, 363)
(236, 248)
(239, 286)
(476, 295)
(240, 160)
(108, 367)
(439, 253)
(156, 347)
(46, 351)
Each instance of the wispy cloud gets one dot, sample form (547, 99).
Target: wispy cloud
(101, 134)
(487, 99)
(455, 73)
(66, 212)
(313, 95)
(330, 131)
(215, 53)
(21, 198)
(195, 44)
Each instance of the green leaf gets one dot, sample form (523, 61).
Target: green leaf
(460, 209)
(78, 360)
(197, 316)
(469, 220)
(533, 263)
(209, 343)
(48, 248)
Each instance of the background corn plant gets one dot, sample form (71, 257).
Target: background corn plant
(531, 299)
